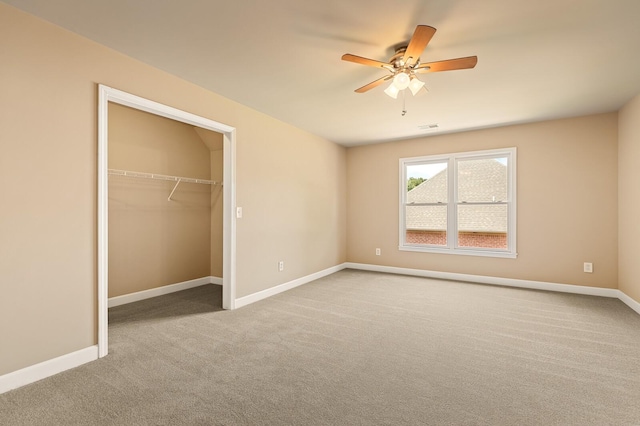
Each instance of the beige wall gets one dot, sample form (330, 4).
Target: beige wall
(567, 198)
(291, 185)
(296, 211)
(153, 241)
(629, 198)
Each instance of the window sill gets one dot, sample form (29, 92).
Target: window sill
(463, 252)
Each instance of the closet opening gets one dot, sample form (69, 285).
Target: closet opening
(165, 203)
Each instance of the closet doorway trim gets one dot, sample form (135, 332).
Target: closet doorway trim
(107, 94)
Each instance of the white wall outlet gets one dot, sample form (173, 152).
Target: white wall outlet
(281, 266)
(238, 212)
(377, 252)
(588, 267)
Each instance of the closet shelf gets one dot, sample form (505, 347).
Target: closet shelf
(155, 176)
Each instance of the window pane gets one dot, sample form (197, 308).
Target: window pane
(426, 225)
(427, 183)
(482, 180)
(468, 209)
(482, 225)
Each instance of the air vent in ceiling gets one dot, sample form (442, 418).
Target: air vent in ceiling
(428, 127)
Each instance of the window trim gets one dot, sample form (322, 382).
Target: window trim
(452, 203)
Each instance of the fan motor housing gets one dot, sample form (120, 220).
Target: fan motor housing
(397, 59)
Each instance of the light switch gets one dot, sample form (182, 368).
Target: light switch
(238, 212)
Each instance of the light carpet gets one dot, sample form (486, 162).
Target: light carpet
(354, 348)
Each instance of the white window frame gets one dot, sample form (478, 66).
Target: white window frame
(452, 204)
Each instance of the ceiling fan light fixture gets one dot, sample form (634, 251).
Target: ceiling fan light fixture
(401, 80)
(415, 85)
(392, 91)
(406, 62)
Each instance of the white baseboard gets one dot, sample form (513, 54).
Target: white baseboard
(255, 297)
(57, 365)
(480, 279)
(160, 291)
(47, 368)
(629, 301)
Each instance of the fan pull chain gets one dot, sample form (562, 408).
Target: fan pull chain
(404, 103)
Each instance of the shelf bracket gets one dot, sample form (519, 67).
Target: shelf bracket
(174, 189)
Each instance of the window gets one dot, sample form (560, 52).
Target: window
(462, 203)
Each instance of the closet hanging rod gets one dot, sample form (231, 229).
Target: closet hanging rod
(143, 175)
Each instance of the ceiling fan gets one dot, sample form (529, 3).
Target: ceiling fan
(405, 64)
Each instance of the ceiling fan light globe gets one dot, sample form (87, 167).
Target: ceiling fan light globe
(401, 80)
(392, 91)
(415, 85)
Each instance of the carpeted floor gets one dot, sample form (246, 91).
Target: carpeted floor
(354, 348)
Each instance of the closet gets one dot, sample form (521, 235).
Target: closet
(164, 205)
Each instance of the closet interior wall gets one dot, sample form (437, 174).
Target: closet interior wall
(153, 241)
(214, 142)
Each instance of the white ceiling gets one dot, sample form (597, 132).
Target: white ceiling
(537, 60)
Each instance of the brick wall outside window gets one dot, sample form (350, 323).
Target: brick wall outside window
(465, 239)
(427, 237)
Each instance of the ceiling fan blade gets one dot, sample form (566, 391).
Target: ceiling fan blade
(448, 65)
(365, 61)
(421, 37)
(373, 84)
